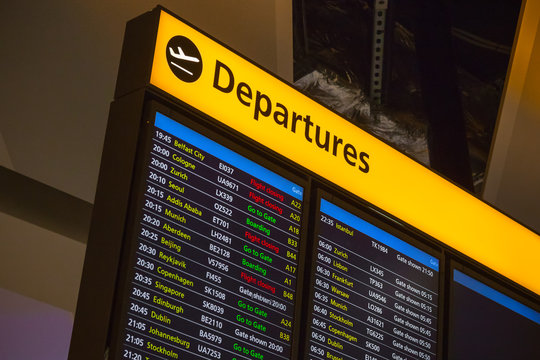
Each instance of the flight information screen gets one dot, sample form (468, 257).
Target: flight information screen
(213, 270)
(487, 324)
(375, 296)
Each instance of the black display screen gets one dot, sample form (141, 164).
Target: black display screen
(375, 296)
(486, 324)
(213, 272)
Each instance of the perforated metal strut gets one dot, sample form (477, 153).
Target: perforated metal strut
(379, 23)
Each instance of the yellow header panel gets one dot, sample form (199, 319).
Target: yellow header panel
(204, 74)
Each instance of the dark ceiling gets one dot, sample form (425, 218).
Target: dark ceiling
(333, 38)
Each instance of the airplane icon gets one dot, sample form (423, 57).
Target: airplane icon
(184, 59)
(180, 55)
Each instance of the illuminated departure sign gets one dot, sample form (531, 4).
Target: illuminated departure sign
(214, 267)
(374, 295)
(237, 93)
(215, 231)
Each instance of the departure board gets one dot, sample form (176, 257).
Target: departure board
(213, 272)
(487, 324)
(375, 296)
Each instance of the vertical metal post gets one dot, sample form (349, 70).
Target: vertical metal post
(379, 24)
